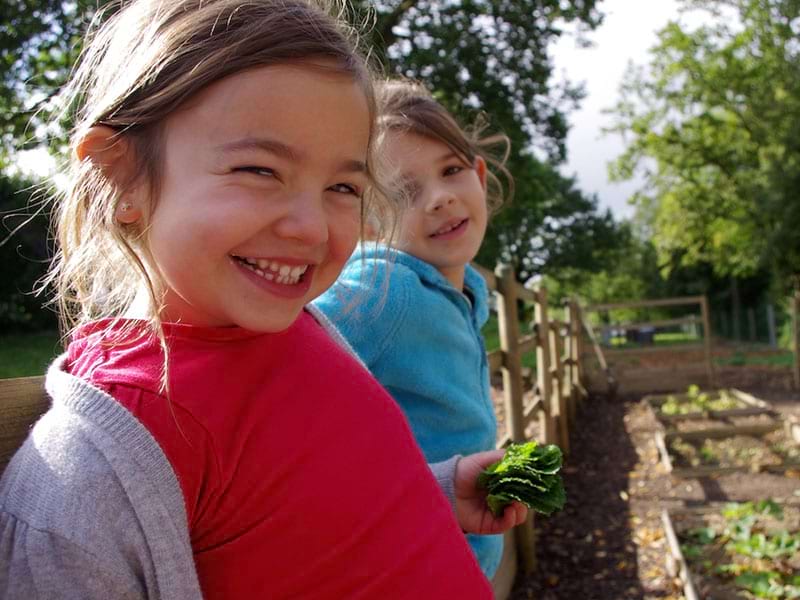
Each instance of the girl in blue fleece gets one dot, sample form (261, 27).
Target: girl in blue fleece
(413, 309)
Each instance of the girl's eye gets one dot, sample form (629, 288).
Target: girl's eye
(263, 171)
(452, 170)
(345, 188)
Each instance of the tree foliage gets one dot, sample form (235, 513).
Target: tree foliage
(23, 257)
(491, 55)
(554, 229)
(714, 127)
(39, 42)
(479, 56)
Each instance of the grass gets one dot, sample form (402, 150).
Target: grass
(659, 339)
(27, 354)
(742, 358)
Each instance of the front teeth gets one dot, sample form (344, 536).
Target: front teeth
(274, 271)
(444, 230)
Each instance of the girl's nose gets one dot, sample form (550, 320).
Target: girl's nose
(305, 220)
(439, 199)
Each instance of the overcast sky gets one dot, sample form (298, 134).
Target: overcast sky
(628, 31)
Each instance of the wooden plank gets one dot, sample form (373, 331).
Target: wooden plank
(508, 325)
(611, 352)
(526, 294)
(713, 471)
(22, 401)
(714, 414)
(527, 343)
(689, 320)
(707, 340)
(543, 378)
(678, 301)
(750, 399)
(678, 567)
(796, 339)
(495, 360)
(558, 409)
(723, 432)
(503, 580)
(666, 460)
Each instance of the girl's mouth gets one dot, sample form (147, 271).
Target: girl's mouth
(451, 229)
(272, 270)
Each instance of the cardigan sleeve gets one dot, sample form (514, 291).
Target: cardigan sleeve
(67, 533)
(42, 564)
(70, 527)
(368, 304)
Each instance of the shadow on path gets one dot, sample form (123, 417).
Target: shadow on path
(587, 551)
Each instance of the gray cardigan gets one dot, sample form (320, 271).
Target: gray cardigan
(90, 507)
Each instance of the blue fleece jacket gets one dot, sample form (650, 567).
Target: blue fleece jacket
(420, 337)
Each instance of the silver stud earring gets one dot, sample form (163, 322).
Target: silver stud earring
(125, 206)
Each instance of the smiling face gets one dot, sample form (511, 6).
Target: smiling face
(446, 219)
(259, 200)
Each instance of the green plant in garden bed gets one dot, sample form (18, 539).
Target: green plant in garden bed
(734, 451)
(698, 401)
(752, 550)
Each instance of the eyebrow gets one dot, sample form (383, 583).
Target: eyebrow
(284, 151)
(447, 156)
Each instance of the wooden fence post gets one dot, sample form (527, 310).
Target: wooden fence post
(580, 375)
(543, 374)
(570, 366)
(796, 339)
(712, 378)
(508, 324)
(559, 411)
(773, 338)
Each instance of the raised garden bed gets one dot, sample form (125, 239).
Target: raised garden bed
(736, 551)
(771, 447)
(696, 404)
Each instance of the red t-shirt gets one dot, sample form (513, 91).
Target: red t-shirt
(300, 474)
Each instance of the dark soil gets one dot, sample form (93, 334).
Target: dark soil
(608, 543)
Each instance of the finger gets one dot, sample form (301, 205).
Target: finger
(520, 513)
(489, 457)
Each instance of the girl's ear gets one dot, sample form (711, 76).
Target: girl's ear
(104, 147)
(480, 169)
(110, 152)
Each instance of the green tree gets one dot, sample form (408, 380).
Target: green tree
(714, 128)
(489, 56)
(23, 257)
(39, 42)
(554, 229)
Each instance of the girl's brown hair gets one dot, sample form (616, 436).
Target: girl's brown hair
(140, 65)
(407, 105)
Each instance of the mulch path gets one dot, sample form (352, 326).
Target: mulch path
(608, 543)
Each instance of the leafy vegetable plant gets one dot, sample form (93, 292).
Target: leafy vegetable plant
(528, 473)
(751, 551)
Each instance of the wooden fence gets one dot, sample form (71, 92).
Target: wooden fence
(653, 367)
(561, 345)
